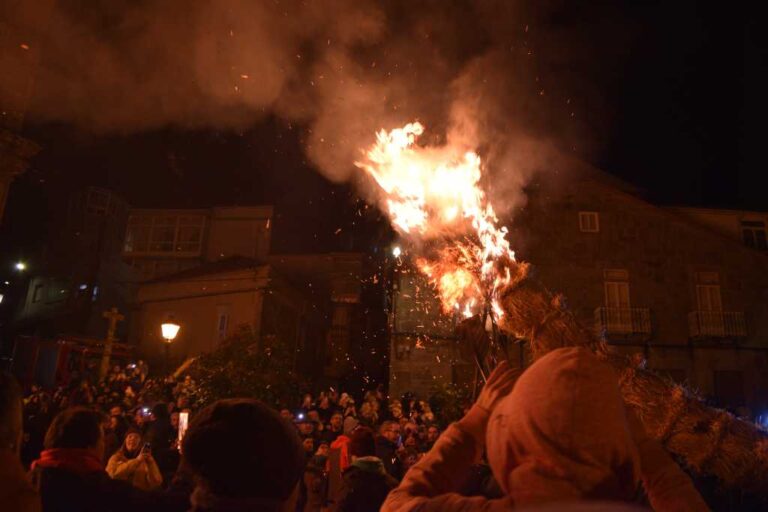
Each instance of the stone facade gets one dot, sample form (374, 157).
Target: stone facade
(692, 299)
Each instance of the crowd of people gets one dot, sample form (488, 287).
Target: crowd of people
(349, 438)
(557, 433)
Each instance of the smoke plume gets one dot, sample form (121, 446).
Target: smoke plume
(508, 78)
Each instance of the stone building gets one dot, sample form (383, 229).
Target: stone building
(686, 288)
(211, 271)
(80, 272)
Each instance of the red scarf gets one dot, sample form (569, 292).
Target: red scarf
(342, 443)
(77, 460)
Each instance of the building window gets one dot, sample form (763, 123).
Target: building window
(37, 293)
(708, 291)
(589, 222)
(152, 234)
(753, 233)
(222, 322)
(617, 308)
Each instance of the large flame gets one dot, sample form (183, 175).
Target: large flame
(433, 196)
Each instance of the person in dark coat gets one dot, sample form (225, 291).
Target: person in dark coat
(365, 482)
(387, 447)
(161, 437)
(70, 476)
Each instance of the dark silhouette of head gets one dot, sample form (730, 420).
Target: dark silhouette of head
(362, 443)
(76, 427)
(241, 448)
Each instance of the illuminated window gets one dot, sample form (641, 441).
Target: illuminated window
(164, 234)
(589, 222)
(753, 233)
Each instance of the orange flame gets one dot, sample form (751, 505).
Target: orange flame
(433, 195)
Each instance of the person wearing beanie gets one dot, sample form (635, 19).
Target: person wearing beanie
(559, 437)
(365, 482)
(134, 463)
(243, 456)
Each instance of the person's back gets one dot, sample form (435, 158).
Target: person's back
(562, 439)
(15, 491)
(365, 482)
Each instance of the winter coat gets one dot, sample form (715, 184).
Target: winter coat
(140, 472)
(76, 487)
(16, 493)
(387, 452)
(562, 437)
(366, 485)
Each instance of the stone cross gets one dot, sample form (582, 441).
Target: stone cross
(113, 316)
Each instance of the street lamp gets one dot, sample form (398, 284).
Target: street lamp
(396, 251)
(170, 330)
(20, 266)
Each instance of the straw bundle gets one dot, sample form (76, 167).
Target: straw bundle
(708, 440)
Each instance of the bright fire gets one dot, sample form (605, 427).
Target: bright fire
(433, 196)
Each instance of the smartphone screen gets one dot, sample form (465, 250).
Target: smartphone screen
(183, 424)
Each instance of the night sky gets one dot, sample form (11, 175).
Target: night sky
(680, 115)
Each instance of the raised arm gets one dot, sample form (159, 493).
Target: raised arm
(432, 484)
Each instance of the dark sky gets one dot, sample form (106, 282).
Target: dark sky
(685, 111)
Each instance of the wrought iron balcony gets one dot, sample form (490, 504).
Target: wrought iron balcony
(717, 324)
(624, 322)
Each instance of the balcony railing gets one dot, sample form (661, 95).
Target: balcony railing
(717, 324)
(624, 321)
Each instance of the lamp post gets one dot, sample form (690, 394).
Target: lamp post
(169, 330)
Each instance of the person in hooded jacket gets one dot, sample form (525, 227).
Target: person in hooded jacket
(562, 439)
(134, 464)
(365, 482)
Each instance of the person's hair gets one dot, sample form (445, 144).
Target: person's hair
(10, 411)
(76, 427)
(362, 442)
(386, 425)
(242, 448)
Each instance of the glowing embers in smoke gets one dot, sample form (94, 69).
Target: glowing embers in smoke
(432, 195)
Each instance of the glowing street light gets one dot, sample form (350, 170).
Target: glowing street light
(20, 266)
(169, 330)
(396, 251)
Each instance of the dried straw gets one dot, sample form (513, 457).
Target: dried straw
(709, 441)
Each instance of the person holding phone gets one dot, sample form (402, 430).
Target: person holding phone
(134, 464)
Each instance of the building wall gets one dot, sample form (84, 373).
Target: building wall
(239, 231)
(664, 255)
(197, 304)
(726, 222)
(161, 242)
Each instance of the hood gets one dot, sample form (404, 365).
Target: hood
(369, 465)
(562, 433)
